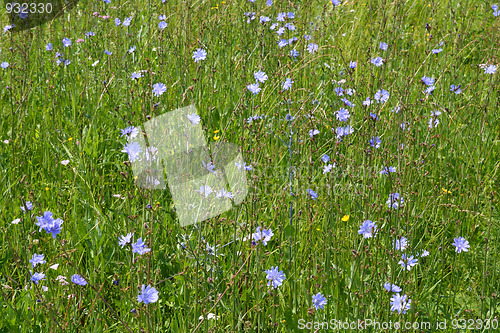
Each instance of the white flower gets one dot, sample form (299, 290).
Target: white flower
(213, 250)
(16, 221)
(212, 316)
(209, 316)
(65, 162)
(62, 280)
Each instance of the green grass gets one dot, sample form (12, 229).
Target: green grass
(448, 176)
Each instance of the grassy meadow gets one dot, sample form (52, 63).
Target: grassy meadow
(373, 150)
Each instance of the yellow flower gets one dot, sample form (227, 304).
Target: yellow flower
(216, 131)
(216, 138)
(446, 191)
(70, 139)
(46, 189)
(345, 218)
(318, 229)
